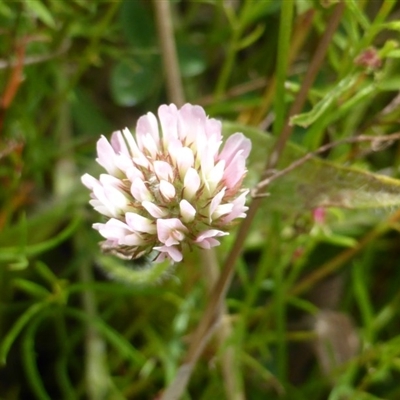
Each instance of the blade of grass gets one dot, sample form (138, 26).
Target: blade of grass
(30, 364)
(17, 328)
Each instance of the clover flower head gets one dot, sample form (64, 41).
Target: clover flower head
(170, 186)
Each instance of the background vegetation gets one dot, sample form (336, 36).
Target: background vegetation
(312, 311)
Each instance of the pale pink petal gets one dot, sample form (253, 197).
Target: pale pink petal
(214, 176)
(208, 243)
(191, 183)
(118, 143)
(132, 145)
(213, 129)
(167, 190)
(118, 198)
(191, 123)
(106, 201)
(123, 162)
(319, 215)
(170, 231)
(215, 202)
(235, 143)
(206, 161)
(168, 116)
(114, 229)
(154, 210)
(107, 210)
(168, 252)
(222, 210)
(161, 257)
(132, 239)
(207, 239)
(184, 160)
(210, 233)
(140, 191)
(133, 172)
(188, 212)
(138, 223)
(239, 208)
(142, 161)
(235, 171)
(89, 181)
(163, 170)
(106, 155)
(119, 233)
(147, 126)
(109, 180)
(149, 146)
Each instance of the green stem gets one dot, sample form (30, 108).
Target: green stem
(361, 294)
(375, 28)
(227, 68)
(285, 29)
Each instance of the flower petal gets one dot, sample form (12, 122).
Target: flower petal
(188, 212)
(106, 156)
(118, 143)
(235, 143)
(215, 202)
(163, 170)
(191, 183)
(146, 128)
(154, 210)
(170, 252)
(184, 160)
(239, 209)
(138, 223)
(168, 116)
(140, 191)
(170, 231)
(113, 229)
(206, 239)
(167, 190)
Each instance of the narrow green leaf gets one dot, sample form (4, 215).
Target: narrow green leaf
(121, 344)
(31, 288)
(45, 272)
(390, 84)
(8, 254)
(392, 25)
(253, 36)
(356, 10)
(30, 363)
(40, 10)
(306, 119)
(17, 328)
(393, 54)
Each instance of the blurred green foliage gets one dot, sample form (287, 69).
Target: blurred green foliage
(305, 291)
